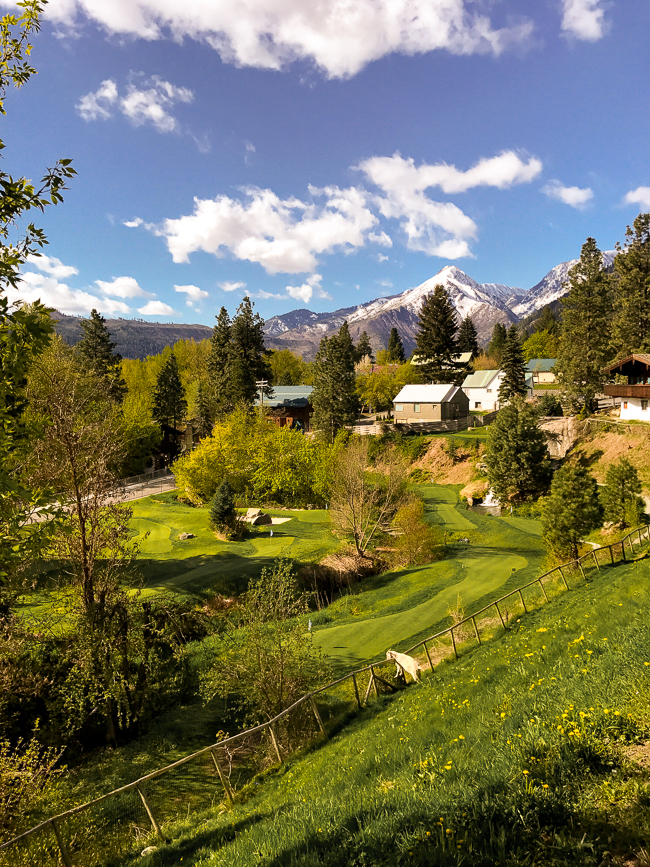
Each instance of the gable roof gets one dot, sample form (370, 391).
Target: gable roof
(439, 393)
(288, 395)
(480, 378)
(644, 358)
(540, 365)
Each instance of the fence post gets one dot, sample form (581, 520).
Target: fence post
(224, 780)
(478, 637)
(453, 641)
(623, 550)
(521, 596)
(563, 578)
(317, 715)
(371, 681)
(152, 819)
(426, 650)
(593, 554)
(67, 860)
(543, 590)
(579, 562)
(496, 605)
(639, 536)
(275, 743)
(611, 554)
(356, 690)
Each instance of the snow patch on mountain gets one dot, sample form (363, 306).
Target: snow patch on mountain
(551, 286)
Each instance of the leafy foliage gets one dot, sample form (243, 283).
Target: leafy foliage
(287, 368)
(516, 456)
(541, 344)
(418, 542)
(571, 510)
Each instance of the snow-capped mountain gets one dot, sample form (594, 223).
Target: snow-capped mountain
(551, 287)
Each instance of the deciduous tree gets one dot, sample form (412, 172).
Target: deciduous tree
(620, 496)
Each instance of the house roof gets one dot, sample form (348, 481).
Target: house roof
(644, 358)
(441, 393)
(540, 365)
(480, 378)
(460, 359)
(288, 396)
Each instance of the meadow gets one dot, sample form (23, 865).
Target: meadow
(529, 750)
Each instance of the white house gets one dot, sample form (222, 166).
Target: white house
(482, 389)
(635, 396)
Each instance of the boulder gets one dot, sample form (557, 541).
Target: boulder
(261, 519)
(251, 514)
(184, 536)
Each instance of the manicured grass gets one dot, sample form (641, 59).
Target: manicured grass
(205, 565)
(396, 608)
(518, 754)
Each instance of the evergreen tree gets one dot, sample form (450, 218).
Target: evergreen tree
(584, 336)
(516, 456)
(631, 322)
(548, 322)
(513, 382)
(435, 340)
(395, 348)
(467, 337)
(571, 510)
(249, 363)
(220, 365)
(202, 413)
(222, 508)
(169, 404)
(334, 397)
(97, 353)
(620, 496)
(364, 349)
(498, 341)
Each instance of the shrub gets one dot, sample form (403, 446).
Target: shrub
(418, 542)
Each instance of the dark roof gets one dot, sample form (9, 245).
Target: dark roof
(644, 358)
(288, 396)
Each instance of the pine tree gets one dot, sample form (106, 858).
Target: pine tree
(516, 456)
(203, 413)
(548, 322)
(334, 397)
(467, 337)
(584, 336)
(169, 404)
(364, 349)
(97, 352)
(435, 340)
(222, 508)
(631, 322)
(220, 365)
(249, 364)
(571, 510)
(513, 382)
(620, 496)
(395, 348)
(498, 340)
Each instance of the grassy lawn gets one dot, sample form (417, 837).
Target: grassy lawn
(396, 608)
(205, 565)
(529, 750)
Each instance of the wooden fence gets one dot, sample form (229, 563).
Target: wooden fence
(59, 840)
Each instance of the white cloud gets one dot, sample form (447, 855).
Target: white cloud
(194, 294)
(148, 103)
(304, 293)
(133, 224)
(640, 196)
(156, 308)
(123, 287)
(440, 228)
(53, 266)
(382, 238)
(229, 286)
(74, 302)
(97, 105)
(282, 235)
(339, 36)
(577, 197)
(584, 19)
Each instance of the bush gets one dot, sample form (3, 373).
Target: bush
(418, 542)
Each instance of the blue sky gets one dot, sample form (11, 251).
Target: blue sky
(324, 154)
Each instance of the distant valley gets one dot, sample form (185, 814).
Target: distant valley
(302, 330)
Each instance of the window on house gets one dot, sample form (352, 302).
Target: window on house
(489, 391)
(416, 407)
(399, 407)
(644, 405)
(477, 404)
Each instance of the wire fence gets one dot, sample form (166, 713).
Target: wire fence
(146, 484)
(137, 814)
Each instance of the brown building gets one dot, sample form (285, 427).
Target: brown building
(635, 396)
(430, 403)
(290, 405)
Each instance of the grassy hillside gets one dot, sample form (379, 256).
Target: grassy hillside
(603, 445)
(530, 750)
